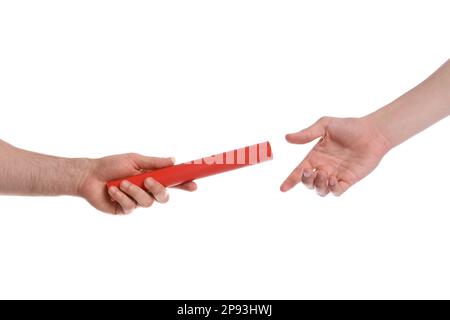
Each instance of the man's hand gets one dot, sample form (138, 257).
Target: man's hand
(128, 197)
(349, 149)
(28, 173)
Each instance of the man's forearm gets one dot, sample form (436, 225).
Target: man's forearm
(416, 110)
(28, 173)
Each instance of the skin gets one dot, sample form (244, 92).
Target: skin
(348, 150)
(351, 148)
(28, 173)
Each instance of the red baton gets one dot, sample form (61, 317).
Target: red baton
(193, 170)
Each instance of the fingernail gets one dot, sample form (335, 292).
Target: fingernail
(112, 190)
(332, 182)
(307, 173)
(148, 182)
(172, 159)
(164, 196)
(125, 184)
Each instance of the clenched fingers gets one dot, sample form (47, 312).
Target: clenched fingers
(127, 204)
(158, 191)
(142, 198)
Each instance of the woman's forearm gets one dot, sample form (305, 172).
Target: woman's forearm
(28, 173)
(416, 110)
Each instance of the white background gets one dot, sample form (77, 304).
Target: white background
(192, 78)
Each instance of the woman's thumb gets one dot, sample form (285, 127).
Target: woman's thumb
(317, 130)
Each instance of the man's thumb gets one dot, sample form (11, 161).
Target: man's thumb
(151, 163)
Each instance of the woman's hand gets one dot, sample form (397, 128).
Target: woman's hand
(349, 149)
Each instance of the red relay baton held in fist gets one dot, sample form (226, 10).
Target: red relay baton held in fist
(189, 171)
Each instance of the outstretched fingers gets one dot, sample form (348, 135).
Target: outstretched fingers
(294, 178)
(317, 179)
